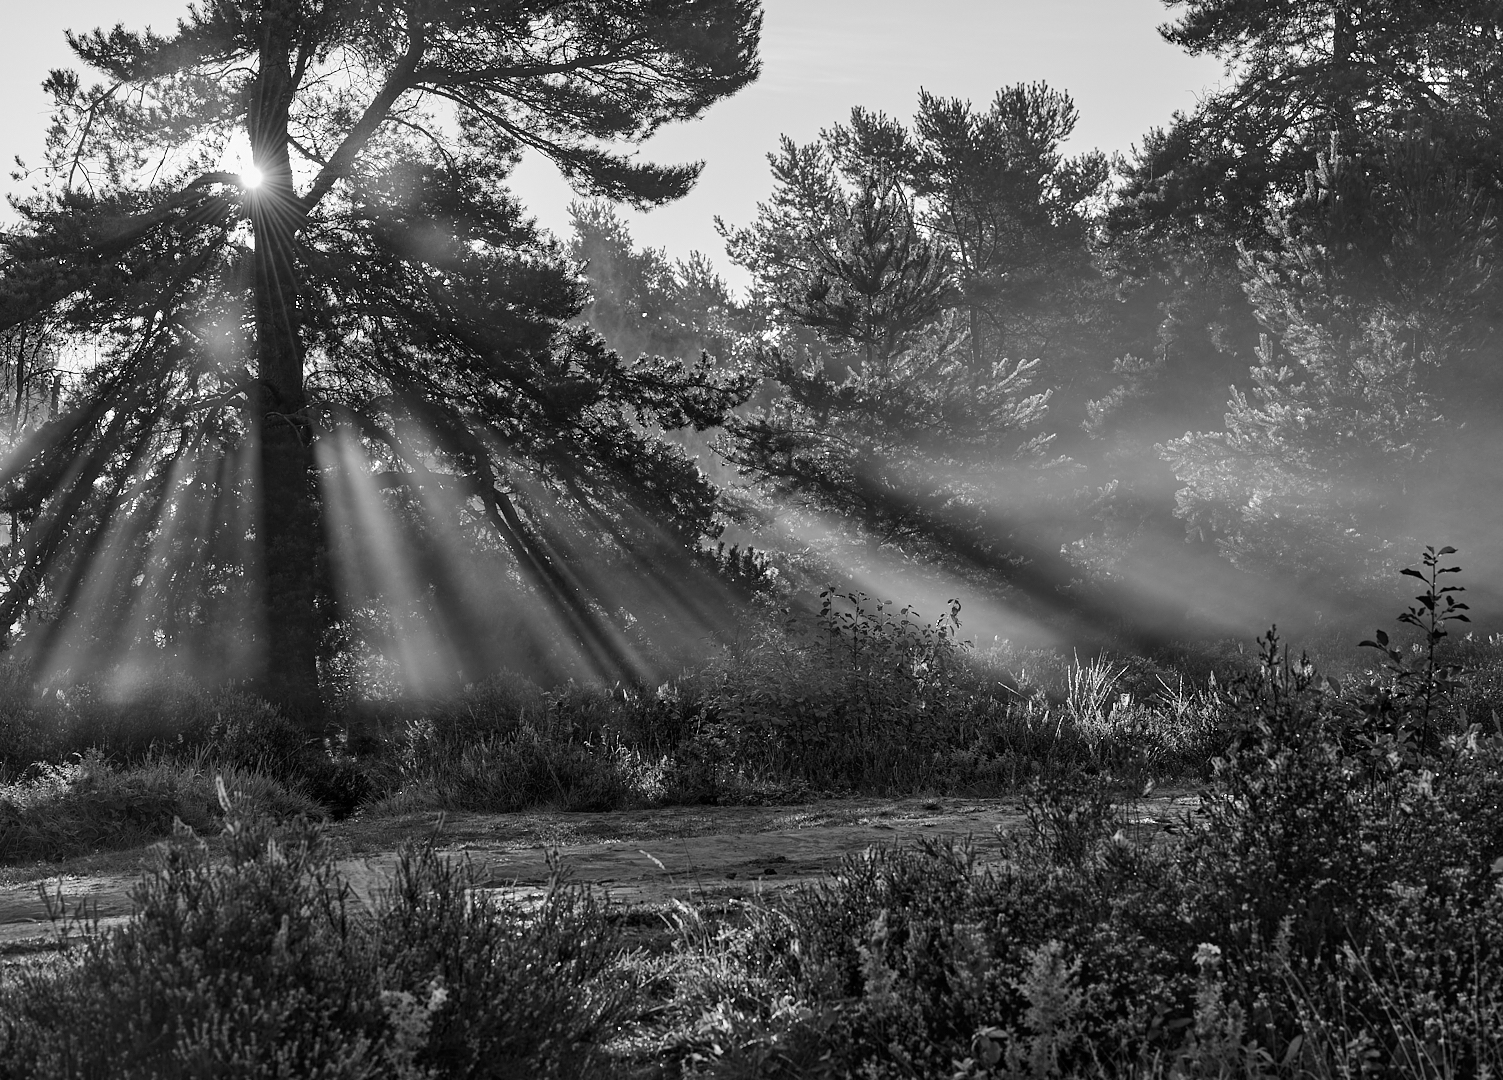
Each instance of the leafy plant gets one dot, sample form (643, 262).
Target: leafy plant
(1422, 683)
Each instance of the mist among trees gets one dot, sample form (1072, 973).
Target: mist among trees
(350, 423)
(338, 496)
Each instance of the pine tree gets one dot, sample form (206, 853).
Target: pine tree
(1374, 303)
(1012, 212)
(1302, 71)
(885, 407)
(642, 302)
(1192, 195)
(377, 272)
(838, 249)
(906, 446)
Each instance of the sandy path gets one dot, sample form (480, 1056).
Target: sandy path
(634, 857)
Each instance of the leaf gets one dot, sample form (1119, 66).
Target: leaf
(1410, 571)
(1291, 1051)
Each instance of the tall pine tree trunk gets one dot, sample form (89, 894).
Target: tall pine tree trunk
(288, 527)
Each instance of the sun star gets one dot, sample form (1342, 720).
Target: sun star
(251, 177)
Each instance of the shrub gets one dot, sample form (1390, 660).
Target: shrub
(56, 812)
(503, 776)
(1335, 908)
(910, 960)
(526, 993)
(259, 965)
(225, 969)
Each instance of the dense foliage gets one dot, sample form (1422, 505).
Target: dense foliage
(963, 349)
(1330, 906)
(374, 304)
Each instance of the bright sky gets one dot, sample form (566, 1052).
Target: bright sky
(820, 57)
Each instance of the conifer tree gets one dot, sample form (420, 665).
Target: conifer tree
(1011, 211)
(1303, 71)
(1375, 307)
(838, 249)
(1196, 192)
(643, 302)
(376, 273)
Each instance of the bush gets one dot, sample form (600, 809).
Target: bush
(499, 776)
(1334, 908)
(526, 993)
(908, 958)
(259, 965)
(56, 812)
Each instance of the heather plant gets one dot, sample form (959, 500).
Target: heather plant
(1332, 908)
(253, 964)
(933, 961)
(262, 963)
(498, 775)
(533, 992)
(1347, 844)
(89, 804)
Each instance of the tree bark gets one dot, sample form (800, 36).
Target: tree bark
(288, 528)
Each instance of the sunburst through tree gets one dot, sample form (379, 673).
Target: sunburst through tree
(335, 354)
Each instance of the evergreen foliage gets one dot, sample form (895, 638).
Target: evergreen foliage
(1375, 306)
(377, 280)
(838, 249)
(642, 303)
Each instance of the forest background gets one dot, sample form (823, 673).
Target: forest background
(1240, 374)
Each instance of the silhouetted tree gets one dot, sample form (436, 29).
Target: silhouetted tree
(1305, 71)
(837, 248)
(1012, 212)
(377, 272)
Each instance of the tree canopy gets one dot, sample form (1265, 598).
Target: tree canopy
(351, 407)
(377, 280)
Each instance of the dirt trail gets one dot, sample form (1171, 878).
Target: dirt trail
(634, 857)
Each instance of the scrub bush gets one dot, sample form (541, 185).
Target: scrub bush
(54, 812)
(263, 964)
(1333, 908)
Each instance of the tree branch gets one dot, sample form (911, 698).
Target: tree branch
(399, 81)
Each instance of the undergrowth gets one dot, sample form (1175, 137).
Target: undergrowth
(866, 698)
(863, 697)
(264, 964)
(1332, 908)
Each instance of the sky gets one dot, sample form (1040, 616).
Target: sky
(820, 58)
